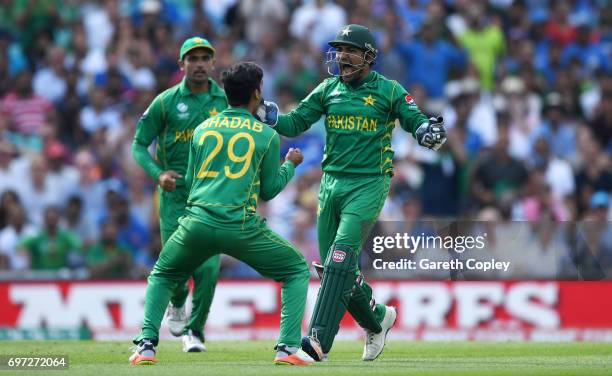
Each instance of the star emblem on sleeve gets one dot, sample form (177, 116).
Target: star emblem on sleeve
(369, 100)
(213, 112)
(345, 32)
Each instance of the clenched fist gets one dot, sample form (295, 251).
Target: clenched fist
(295, 156)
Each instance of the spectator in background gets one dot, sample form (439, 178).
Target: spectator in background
(50, 81)
(98, 114)
(304, 235)
(523, 109)
(442, 183)
(558, 128)
(8, 198)
(69, 110)
(131, 232)
(27, 112)
(75, 221)
(263, 17)
(61, 175)
(498, 177)
(7, 180)
(136, 65)
(430, 60)
(593, 253)
(594, 174)
(50, 248)
(461, 138)
(481, 118)
(316, 22)
(89, 187)
(484, 42)
(601, 125)
(559, 175)
(108, 258)
(298, 75)
(140, 193)
(548, 62)
(37, 192)
(558, 28)
(33, 19)
(17, 228)
(539, 202)
(588, 52)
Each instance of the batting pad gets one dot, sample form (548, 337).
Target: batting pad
(361, 306)
(334, 294)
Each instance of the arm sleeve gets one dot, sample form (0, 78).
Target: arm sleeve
(406, 110)
(274, 178)
(149, 126)
(307, 113)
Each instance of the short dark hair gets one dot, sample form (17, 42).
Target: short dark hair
(240, 81)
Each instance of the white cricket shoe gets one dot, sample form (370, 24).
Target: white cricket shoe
(192, 342)
(177, 320)
(375, 342)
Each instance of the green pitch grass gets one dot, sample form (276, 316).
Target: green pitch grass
(399, 358)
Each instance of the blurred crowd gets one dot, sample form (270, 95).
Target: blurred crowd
(525, 88)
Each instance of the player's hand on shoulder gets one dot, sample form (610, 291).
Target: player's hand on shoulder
(167, 180)
(295, 156)
(432, 134)
(267, 113)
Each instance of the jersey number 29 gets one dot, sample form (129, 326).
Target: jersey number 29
(245, 159)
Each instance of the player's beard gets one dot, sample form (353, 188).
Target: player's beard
(198, 77)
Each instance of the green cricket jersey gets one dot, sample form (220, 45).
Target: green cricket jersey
(171, 118)
(359, 121)
(234, 159)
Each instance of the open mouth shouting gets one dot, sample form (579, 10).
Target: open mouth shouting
(346, 69)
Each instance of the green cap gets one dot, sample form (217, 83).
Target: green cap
(357, 36)
(195, 42)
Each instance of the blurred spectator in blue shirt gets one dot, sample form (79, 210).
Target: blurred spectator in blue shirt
(557, 128)
(430, 60)
(589, 52)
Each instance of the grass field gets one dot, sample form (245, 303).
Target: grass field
(399, 358)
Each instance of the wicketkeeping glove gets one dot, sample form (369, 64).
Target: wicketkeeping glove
(268, 113)
(432, 134)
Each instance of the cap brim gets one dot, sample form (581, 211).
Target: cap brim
(210, 48)
(335, 43)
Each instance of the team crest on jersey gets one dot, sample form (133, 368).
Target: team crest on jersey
(182, 107)
(338, 256)
(335, 96)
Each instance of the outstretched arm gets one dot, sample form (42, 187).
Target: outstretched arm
(301, 119)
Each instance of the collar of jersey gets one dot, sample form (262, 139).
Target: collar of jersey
(239, 110)
(214, 89)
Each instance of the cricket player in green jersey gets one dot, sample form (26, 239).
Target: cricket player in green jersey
(171, 119)
(233, 161)
(360, 108)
